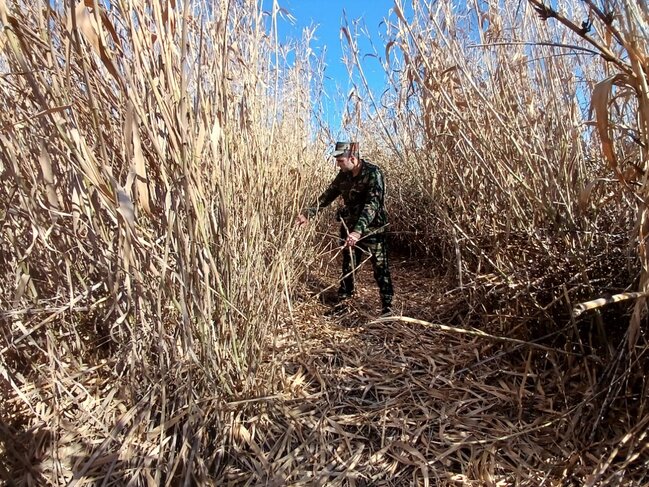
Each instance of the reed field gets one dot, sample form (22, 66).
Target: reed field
(162, 317)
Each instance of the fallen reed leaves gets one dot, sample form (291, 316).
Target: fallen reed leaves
(391, 401)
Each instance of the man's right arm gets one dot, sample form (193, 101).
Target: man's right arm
(325, 199)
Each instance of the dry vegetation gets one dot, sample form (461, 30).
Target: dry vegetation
(157, 325)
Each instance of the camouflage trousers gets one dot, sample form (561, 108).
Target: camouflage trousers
(375, 248)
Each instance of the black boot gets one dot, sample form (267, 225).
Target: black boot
(386, 308)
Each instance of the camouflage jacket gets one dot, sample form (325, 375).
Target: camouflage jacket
(363, 196)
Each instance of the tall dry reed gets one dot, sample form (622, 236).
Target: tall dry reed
(519, 147)
(153, 157)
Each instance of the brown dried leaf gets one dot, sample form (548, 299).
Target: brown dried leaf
(125, 206)
(345, 32)
(48, 176)
(139, 166)
(399, 12)
(86, 24)
(584, 195)
(599, 105)
(388, 46)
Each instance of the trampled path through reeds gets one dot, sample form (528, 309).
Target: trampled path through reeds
(399, 403)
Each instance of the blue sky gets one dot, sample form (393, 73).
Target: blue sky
(328, 16)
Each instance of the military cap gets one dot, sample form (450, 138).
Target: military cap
(345, 149)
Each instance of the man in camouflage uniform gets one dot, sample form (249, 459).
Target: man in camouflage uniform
(361, 185)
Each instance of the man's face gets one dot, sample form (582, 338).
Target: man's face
(345, 164)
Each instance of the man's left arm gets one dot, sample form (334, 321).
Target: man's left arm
(373, 202)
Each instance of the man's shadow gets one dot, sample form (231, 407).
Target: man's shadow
(325, 292)
(27, 458)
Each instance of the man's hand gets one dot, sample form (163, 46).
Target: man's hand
(301, 220)
(352, 239)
